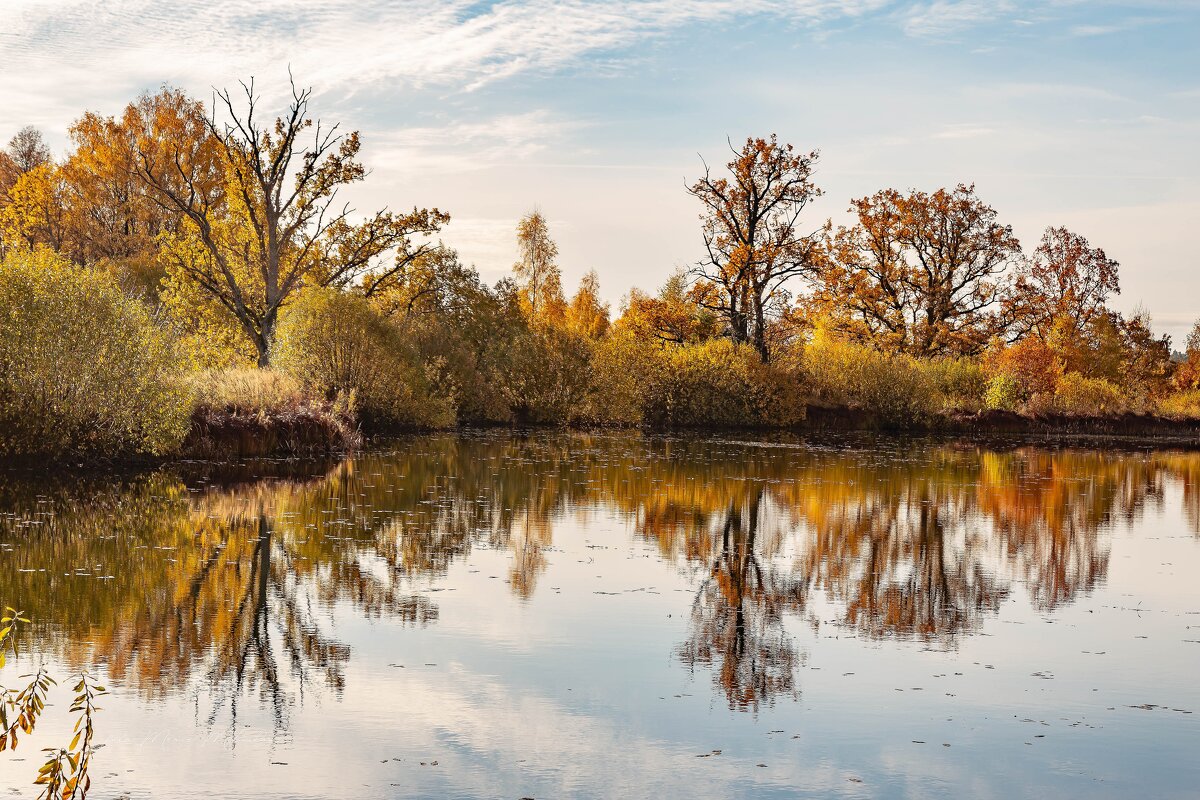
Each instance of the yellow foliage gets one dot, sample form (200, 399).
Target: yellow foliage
(338, 345)
(250, 391)
(714, 383)
(1181, 405)
(1025, 374)
(34, 213)
(893, 387)
(1081, 396)
(84, 368)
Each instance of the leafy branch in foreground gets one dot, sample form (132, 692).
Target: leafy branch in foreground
(19, 713)
(65, 773)
(64, 776)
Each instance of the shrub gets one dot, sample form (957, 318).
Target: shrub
(719, 383)
(894, 388)
(1023, 376)
(959, 384)
(338, 346)
(84, 368)
(1003, 393)
(1082, 396)
(625, 370)
(1181, 405)
(548, 375)
(708, 384)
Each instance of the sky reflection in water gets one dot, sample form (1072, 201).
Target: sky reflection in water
(570, 615)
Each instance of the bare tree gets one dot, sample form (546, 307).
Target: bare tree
(264, 209)
(27, 149)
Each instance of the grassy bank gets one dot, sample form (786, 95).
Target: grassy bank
(248, 413)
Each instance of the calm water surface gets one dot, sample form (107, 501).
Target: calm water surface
(563, 615)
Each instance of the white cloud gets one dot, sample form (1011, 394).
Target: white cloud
(460, 146)
(342, 47)
(1094, 30)
(1049, 90)
(947, 17)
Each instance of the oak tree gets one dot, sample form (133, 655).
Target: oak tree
(1065, 280)
(752, 237)
(921, 273)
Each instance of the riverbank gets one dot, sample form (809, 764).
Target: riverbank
(1127, 426)
(218, 436)
(303, 431)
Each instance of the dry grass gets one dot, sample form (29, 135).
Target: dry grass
(259, 412)
(249, 391)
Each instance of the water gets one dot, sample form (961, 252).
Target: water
(563, 615)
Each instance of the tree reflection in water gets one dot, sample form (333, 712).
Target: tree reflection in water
(736, 626)
(175, 579)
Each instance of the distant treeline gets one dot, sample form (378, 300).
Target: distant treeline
(188, 277)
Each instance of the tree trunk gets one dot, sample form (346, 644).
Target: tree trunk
(760, 331)
(263, 340)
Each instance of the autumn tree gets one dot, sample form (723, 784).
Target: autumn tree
(34, 213)
(1187, 374)
(8, 175)
(1146, 367)
(918, 273)
(114, 217)
(753, 243)
(537, 270)
(434, 284)
(673, 316)
(586, 314)
(37, 217)
(262, 212)
(1065, 280)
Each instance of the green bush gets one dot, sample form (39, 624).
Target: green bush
(1082, 396)
(338, 346)
(894, 388)
(84, 368)
(1003, 393)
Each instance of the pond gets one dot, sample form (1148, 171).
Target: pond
(553, 615)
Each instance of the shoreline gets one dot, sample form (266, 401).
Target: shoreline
(242, 440)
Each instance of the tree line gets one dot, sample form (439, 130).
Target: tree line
(229, 232)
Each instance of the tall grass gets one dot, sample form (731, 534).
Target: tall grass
(256, 412)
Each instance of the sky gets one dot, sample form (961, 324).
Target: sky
(1084, 114)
